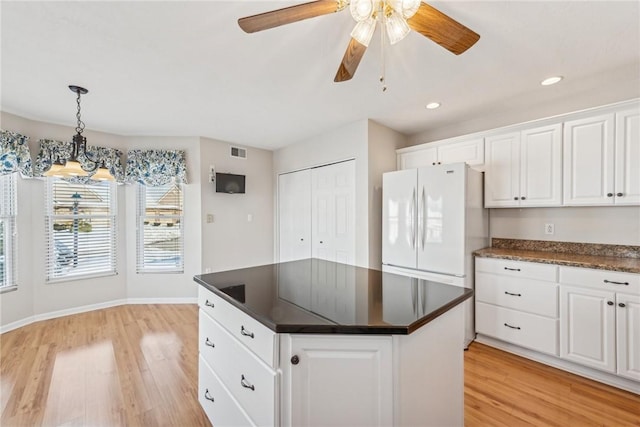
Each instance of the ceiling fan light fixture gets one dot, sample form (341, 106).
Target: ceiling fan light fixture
(397, 27)
(363, 31)
(361, 10)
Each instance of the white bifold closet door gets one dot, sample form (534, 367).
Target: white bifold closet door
(316, 213)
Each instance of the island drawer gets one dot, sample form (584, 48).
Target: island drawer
(253, 334)
(250, 381)
(216, 401)
(601, 279)
(529, 270)
(532, 296)
(524, 329)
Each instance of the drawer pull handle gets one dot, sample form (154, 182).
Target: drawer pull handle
(209, 343)
(616, 283)
(512, 327)
(515, 295)
(208, 396)
(246, 333)
(512, 269)
(209, 304)
(247, 384)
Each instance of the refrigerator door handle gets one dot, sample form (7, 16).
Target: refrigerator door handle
(413, 219)
(421, 220)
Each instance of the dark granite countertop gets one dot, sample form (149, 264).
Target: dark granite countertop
(585, 255)
(316, 296)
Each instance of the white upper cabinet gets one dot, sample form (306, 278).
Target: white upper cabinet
(627, 164)
(524, 168)
(470, 152)
(589, 161)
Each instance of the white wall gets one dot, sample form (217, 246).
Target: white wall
(231, 240)
(34, 296)
(613, 225)
(167, 285)
(383, 143)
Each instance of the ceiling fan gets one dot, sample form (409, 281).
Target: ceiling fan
(396, 17)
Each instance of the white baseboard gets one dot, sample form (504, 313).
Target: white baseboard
(83, 309)
(556, 362)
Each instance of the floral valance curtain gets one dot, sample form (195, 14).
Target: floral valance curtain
(156, 167)
(51, 150)
(14, 154)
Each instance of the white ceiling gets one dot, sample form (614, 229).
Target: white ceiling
(186, 68)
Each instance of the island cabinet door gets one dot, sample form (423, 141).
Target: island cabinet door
(336, 380)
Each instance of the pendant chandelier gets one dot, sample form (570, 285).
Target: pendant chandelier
(71, 167)
(392, 15)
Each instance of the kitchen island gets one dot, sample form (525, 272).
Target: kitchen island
(318, 343)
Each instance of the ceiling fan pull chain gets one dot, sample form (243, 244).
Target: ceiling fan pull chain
(382, 65)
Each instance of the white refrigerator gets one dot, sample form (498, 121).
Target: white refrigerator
(433, 219)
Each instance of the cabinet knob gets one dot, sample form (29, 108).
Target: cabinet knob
(321, 242)
(623, 305)
(609, 194)
(439, 163)
(619, 194)
(522, 198)
(302, 240)
(434, 163)
(515, 198)
(295, 360)
(609, 302)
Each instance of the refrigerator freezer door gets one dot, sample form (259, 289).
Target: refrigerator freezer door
(399, 201)
(441, 215)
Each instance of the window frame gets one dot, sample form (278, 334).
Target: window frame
(9, 215)
(111, 268)
(141, 216)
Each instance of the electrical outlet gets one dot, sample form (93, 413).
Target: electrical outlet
(549, 228)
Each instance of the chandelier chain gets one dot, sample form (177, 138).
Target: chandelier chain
(80, 126)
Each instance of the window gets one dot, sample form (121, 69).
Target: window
(8, 250)
(160, 237)
(81, 229)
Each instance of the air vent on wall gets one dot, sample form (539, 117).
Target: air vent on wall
(239, 152)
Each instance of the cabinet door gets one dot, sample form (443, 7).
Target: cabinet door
(588, 161)
(627, 187)
(333, 211)
(294, 215)
(502, 171)
(628, 329)
(417, 159)
(470, 152)
(587, 327)
(338, 381)
(541, 166)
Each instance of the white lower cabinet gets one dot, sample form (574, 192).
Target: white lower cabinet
(628, 327)
(588, 317)
(328, 380)
(339, 381)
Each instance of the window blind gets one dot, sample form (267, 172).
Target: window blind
(8, 244)
(81, 229)
(160, 242)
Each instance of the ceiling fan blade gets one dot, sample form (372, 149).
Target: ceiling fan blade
(350, 61)
(440, 28)
(287, 15)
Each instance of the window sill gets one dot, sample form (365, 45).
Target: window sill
(6, 289)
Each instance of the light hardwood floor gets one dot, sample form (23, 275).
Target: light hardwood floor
(137, 365)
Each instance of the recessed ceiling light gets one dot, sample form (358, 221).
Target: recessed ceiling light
(551, 80)
(433, 105)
